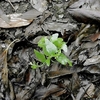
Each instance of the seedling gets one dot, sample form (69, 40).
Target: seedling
(51, 49)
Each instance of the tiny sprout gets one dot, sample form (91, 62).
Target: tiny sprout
(51, 48)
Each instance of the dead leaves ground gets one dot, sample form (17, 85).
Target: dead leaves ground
(27, 21)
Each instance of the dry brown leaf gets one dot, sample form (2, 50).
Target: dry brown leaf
(95, 36)
(93, 60)
(31, 14)
(4, 16)
(18, 19)
(75, 82)
(60, 93)
(87, 11)
(58, 73)
(15, 0)
(82, 92)
(15, 21)
(90, 91)
(40, 5)
(51, 91)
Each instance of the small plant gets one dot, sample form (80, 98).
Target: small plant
(51, 48)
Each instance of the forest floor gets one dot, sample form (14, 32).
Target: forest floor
(23, 23)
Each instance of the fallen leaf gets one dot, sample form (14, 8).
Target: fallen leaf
(30, 15)
(55, 74)
(51, 91)
(40, 5)
(19, 19)
(93, 69)
(60, 93)
(1, 96)
(82, 92)
(75, 82)
(15, 0)
(95, 36)
(89, 45)
(92, 60)
(59, 27)
(90, 91)
(4, 17)
(15, 21)
(87, 11)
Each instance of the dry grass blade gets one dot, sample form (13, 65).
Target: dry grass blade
(4, 64)
(12, 95)
(5, 70)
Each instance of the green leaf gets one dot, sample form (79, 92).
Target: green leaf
(58, 43)
(41, 42)
(63, 60)
(50, 47)
(69, 62)
(45, 51)
(54, 37)
(48, 61)
(34, 66)
(64, 47)
(40, 56)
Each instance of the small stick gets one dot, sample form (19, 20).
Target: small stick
(11, 5)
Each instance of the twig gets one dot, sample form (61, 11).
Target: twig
(11, 5)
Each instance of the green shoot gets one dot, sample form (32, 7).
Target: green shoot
(51, 48)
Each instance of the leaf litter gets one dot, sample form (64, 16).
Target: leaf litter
(34, 19)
